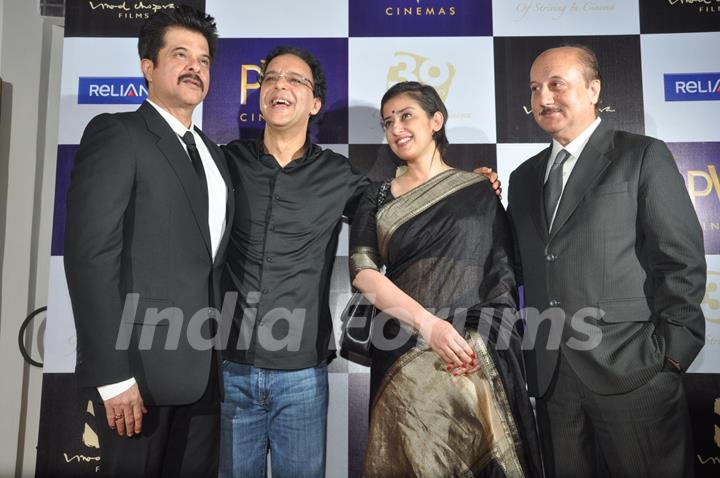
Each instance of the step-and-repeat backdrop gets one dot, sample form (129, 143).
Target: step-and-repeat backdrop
(661, 77)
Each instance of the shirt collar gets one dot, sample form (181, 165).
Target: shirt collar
(172, 121)
(308, 150)
(576, 146)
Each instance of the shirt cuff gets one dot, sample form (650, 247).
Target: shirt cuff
(114, 389)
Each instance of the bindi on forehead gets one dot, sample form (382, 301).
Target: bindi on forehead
(398, 111)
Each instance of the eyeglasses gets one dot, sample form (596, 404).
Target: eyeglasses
(293, 79)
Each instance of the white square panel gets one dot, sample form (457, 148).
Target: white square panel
(280, 18)
(59, 338)
(565, 17)
(460, 68)
(680, 53)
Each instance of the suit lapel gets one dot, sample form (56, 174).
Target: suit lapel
(590, 165)
(169, 145)
(535, 192)
(221, 163)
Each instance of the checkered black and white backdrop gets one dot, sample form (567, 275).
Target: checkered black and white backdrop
(661, 77)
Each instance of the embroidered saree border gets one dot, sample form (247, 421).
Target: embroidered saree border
(407, 206)
(505, 448)
(510, 459)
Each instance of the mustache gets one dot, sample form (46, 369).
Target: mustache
(191, 76)
(548, 110)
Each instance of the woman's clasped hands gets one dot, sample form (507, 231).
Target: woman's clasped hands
(450, 346)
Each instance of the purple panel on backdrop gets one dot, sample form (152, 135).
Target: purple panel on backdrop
(231, 109)
(699, 163)
(65, 161)
(408, 18)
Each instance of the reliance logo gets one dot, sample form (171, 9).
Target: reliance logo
(692, 86)
(111, 90)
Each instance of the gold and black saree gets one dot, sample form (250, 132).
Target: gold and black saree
(447, 244)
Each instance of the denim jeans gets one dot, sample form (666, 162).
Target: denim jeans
(284, 411)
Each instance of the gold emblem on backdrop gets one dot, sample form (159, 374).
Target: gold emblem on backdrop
(695, 179)
(250, 76)
(414, 67)
(711, 301)
(89, 439)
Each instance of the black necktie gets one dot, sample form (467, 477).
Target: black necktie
(189, 141)
(554, 185)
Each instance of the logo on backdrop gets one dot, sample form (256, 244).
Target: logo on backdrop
(89, 440)
(701, 389)
(114, 18)
(557, 10)
(231, 109)
(692, 86)
(711, 302)
(98, 90)
(413, 67)
(603, 109)
(409, 18)
(421, 10)
(698, 6)
(698, 163)
(678, 16)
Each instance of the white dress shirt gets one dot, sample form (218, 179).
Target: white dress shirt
(575, 148)
(217, 202)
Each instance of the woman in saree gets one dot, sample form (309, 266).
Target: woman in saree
(448, 395)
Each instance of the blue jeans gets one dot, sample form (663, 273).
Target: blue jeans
(284, 411)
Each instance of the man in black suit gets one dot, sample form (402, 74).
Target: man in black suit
(608, 240)
(147, 218)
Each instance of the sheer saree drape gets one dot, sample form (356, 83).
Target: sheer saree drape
(446, 244)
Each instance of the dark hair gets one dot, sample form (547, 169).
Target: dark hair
(429, 101)
(152, 32)
(318, 79)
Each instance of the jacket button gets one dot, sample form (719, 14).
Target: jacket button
(550, 258)
(554, 303)
(269, 259)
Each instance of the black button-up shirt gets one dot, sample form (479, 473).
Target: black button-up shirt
(282, 250)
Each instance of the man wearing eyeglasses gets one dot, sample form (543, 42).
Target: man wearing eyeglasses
(292, 196)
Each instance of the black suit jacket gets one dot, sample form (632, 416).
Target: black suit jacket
(626, 242)
(137, 223)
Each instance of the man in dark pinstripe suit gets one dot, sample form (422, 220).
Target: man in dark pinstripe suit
(606, 232)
